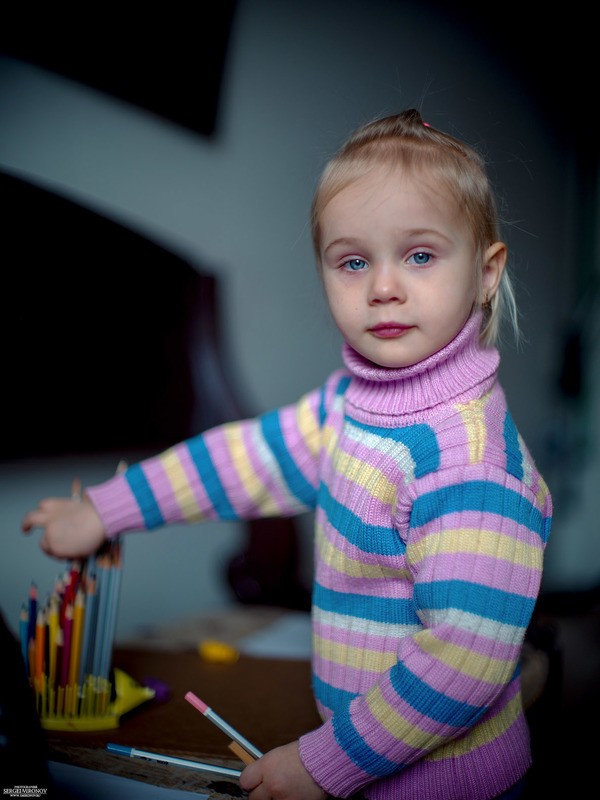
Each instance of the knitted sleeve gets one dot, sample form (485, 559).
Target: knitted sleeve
(241, 470)
(474, 550)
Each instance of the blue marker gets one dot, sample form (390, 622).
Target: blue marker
(133, 752)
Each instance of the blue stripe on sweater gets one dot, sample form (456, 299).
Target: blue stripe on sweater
(428, 701)
(210, 478)
(343, 385)
(295, 480)
(484, 497)
(475, 598)
(338, 701)
(144, 496)
(391, 610)
(379, 539)
(331, 697)
(420, 440)
(355, 747)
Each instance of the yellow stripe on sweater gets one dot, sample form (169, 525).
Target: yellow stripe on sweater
(254, 487)
(340, 562)
(482, 668)
(398, 725)
(354, 657)
(484, 733)
(309, 427)
(364, 475)
(474, 421)
(180, 485)
(478, 541)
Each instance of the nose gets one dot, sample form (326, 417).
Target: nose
(386, 285)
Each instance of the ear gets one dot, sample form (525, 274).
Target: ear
(494, 261)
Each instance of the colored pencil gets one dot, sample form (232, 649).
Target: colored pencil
(76, 489)
(40, 646)
(111, 612)
(241, 753)
(87, 642)
(75, 656)
(60, 646)
(53, 626)
(66, 653)
(33, 598)
(201, 706)
(161, 758)
(23, 631)
(103, 576)
(67, 644)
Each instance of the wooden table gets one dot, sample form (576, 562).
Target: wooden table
(269, 702)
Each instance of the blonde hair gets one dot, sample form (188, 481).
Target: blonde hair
(404, 140)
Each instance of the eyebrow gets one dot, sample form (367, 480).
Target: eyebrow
(344, 240)
(347, 241)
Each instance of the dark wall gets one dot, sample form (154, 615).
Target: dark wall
(168, 59)
(108, 341)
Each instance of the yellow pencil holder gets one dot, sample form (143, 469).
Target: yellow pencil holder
(91, 707)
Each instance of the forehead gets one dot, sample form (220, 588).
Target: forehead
(404, 195)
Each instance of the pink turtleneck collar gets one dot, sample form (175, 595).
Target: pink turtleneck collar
(460, 371)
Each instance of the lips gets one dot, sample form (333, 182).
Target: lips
(389, 330)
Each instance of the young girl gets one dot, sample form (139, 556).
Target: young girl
(431, 518)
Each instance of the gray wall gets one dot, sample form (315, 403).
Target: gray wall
(300, 76)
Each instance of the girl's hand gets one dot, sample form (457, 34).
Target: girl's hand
(280, 775)
(71, 528)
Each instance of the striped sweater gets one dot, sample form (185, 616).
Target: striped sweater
(430, 526)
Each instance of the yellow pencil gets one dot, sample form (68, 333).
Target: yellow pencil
(53, 624)
(75, 655)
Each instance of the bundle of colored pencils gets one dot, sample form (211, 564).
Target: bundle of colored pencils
(67, 643)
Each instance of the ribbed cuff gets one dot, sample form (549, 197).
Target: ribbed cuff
(329, 765)
(116, 506)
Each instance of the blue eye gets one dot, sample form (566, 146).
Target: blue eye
(355, 264)
(420, 259)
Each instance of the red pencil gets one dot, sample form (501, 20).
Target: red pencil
(40, 646)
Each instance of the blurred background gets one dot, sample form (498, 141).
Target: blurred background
(197, 139)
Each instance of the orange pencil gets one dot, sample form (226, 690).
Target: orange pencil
(241, 753)
(75, 655)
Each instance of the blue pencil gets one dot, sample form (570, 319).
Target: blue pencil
(111, 610)
(87, 642)
(102, 588)
(33, 596)
(23, 635)
(133, 752)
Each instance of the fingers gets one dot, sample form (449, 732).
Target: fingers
(70, 528)
(39, 517)
(34, 519)
(251, 776)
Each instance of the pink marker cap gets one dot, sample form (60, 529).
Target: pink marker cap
(197, 703)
